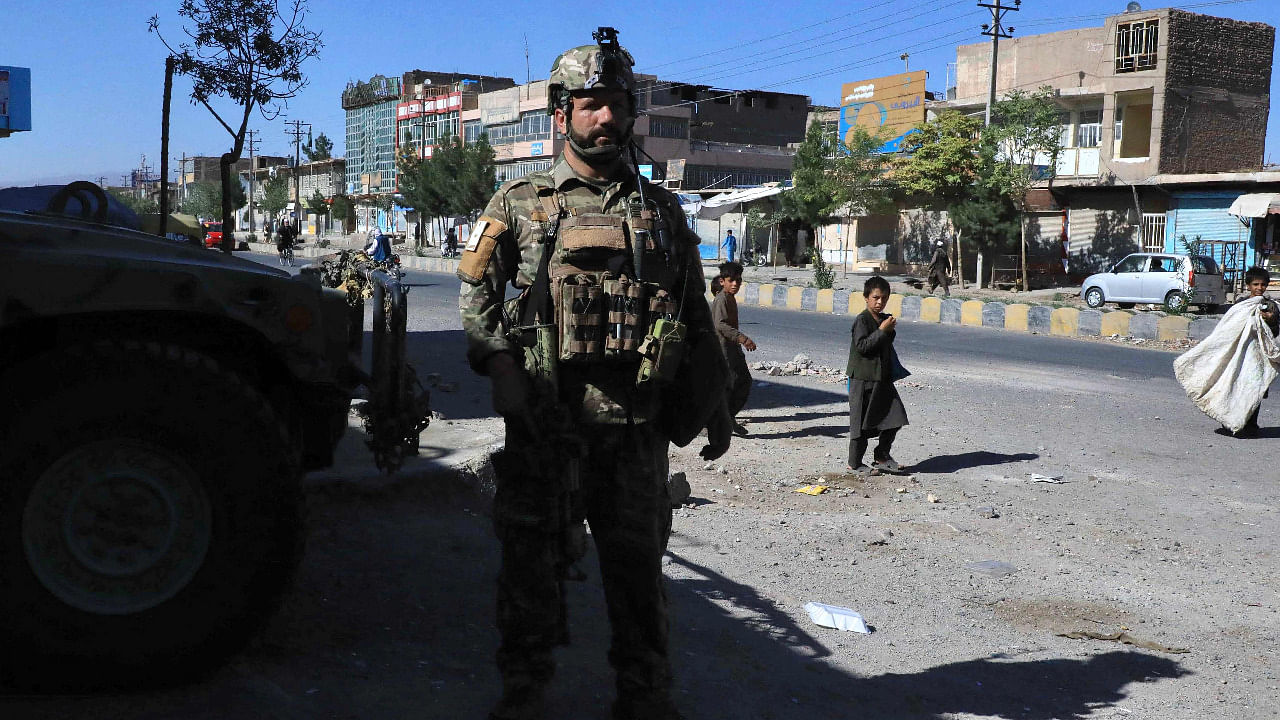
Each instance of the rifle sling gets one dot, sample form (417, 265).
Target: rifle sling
(540, 306)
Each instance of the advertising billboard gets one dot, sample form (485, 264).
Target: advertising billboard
(890, 106)
(15, 99)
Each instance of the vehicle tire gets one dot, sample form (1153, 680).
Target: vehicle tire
(1175, 302)
(1126, 306)
(1093, 297)
(152, 515)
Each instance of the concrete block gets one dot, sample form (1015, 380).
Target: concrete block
(857, 303)
(824, 301)
(894, 306)
(910, 307)
(750, 294)
(1143, 325)
(840, 301)
(782, 295)
(794, 299)
(1015, 317)
(1064, 321)
(1090, 323)
(993, 315)
(1173, 327)
(950, 311)
(766, 294)
(930, 310)
(809, 299)
(1115, 323)
(1201, 327)
(1038, 317)
(971, 313)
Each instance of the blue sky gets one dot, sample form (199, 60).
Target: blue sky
(97, 74)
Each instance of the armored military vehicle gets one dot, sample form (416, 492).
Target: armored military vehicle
(158, 405)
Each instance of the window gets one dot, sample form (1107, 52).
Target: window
(1132, 264)
(1089, 130)
(1064, 129)
(668, 127)
(533, 125)
(472, 130)
(1136, 45)
(1119, 124)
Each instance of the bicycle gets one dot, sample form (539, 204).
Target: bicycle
(286, 255)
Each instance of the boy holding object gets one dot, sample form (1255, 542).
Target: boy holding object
(875, 410)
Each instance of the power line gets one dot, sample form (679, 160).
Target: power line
(767, 38)
(771, 60)
(943, 41)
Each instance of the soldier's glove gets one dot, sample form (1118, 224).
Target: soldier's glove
(719, 431)
(509, 386)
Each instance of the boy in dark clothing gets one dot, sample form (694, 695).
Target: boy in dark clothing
(940, 269)
(1256, 280)
(875, 410)
(724, 316)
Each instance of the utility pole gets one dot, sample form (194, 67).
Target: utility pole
(906, 61)
(297, 133)
(252, 136)
(996, 30)
(528, 73)
(169, 65)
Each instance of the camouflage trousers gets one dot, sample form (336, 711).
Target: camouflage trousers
(624, 499)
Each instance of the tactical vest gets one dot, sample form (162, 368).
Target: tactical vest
(603, 308)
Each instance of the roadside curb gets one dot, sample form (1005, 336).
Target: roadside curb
(1016, 317)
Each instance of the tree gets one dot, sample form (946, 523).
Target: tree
(456, 180)
(204, 200)
(140, 205)
(342, 208)
(1027, 140)
(829, 175)
(812, 195)
(318, 204)
(319, 149)
(275, 196)
(248, 51)
(942, 159)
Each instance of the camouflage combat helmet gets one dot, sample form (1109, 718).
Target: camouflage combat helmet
(603, 65)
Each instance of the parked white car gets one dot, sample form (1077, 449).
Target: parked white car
(1158, 278)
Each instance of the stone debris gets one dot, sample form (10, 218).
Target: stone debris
(988, 511)
(932, 498)
(678, 488)
(801, 364)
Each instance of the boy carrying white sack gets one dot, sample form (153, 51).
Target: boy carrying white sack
(1228, 373)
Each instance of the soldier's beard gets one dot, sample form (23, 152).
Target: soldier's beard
(585, 147)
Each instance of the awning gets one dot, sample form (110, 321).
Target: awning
(1255, 205)
(732, 201)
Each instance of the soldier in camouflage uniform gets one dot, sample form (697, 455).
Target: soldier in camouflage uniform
(601, 415)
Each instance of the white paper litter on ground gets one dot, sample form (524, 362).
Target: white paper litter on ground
(1054, 479)
(1226, 374)
(834, 616)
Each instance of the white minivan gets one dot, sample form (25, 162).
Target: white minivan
(1158, 278)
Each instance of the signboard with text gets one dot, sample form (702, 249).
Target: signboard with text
(889, 106)
(15, 99)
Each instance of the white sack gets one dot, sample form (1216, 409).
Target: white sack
(1227, 372)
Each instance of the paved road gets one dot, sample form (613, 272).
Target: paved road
(1162, 527)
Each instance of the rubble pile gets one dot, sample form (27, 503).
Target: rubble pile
(801, 365)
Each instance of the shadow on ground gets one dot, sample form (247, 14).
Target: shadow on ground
(963, 461)
(392, 618)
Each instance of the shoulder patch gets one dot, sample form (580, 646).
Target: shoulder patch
(479, 249)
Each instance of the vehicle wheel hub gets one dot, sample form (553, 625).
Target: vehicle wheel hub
(116, 527)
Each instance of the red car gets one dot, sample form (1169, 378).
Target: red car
(212, 233)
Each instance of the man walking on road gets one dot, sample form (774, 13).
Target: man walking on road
(940, 269)
(587, 427)
(730, 245)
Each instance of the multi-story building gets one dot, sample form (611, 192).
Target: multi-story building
(692, 136)
(328, 177)
(1159, 108)
(371, 134)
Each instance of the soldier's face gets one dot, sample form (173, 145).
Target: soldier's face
(596, 118)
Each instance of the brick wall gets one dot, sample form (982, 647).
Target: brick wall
(1216, 94)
